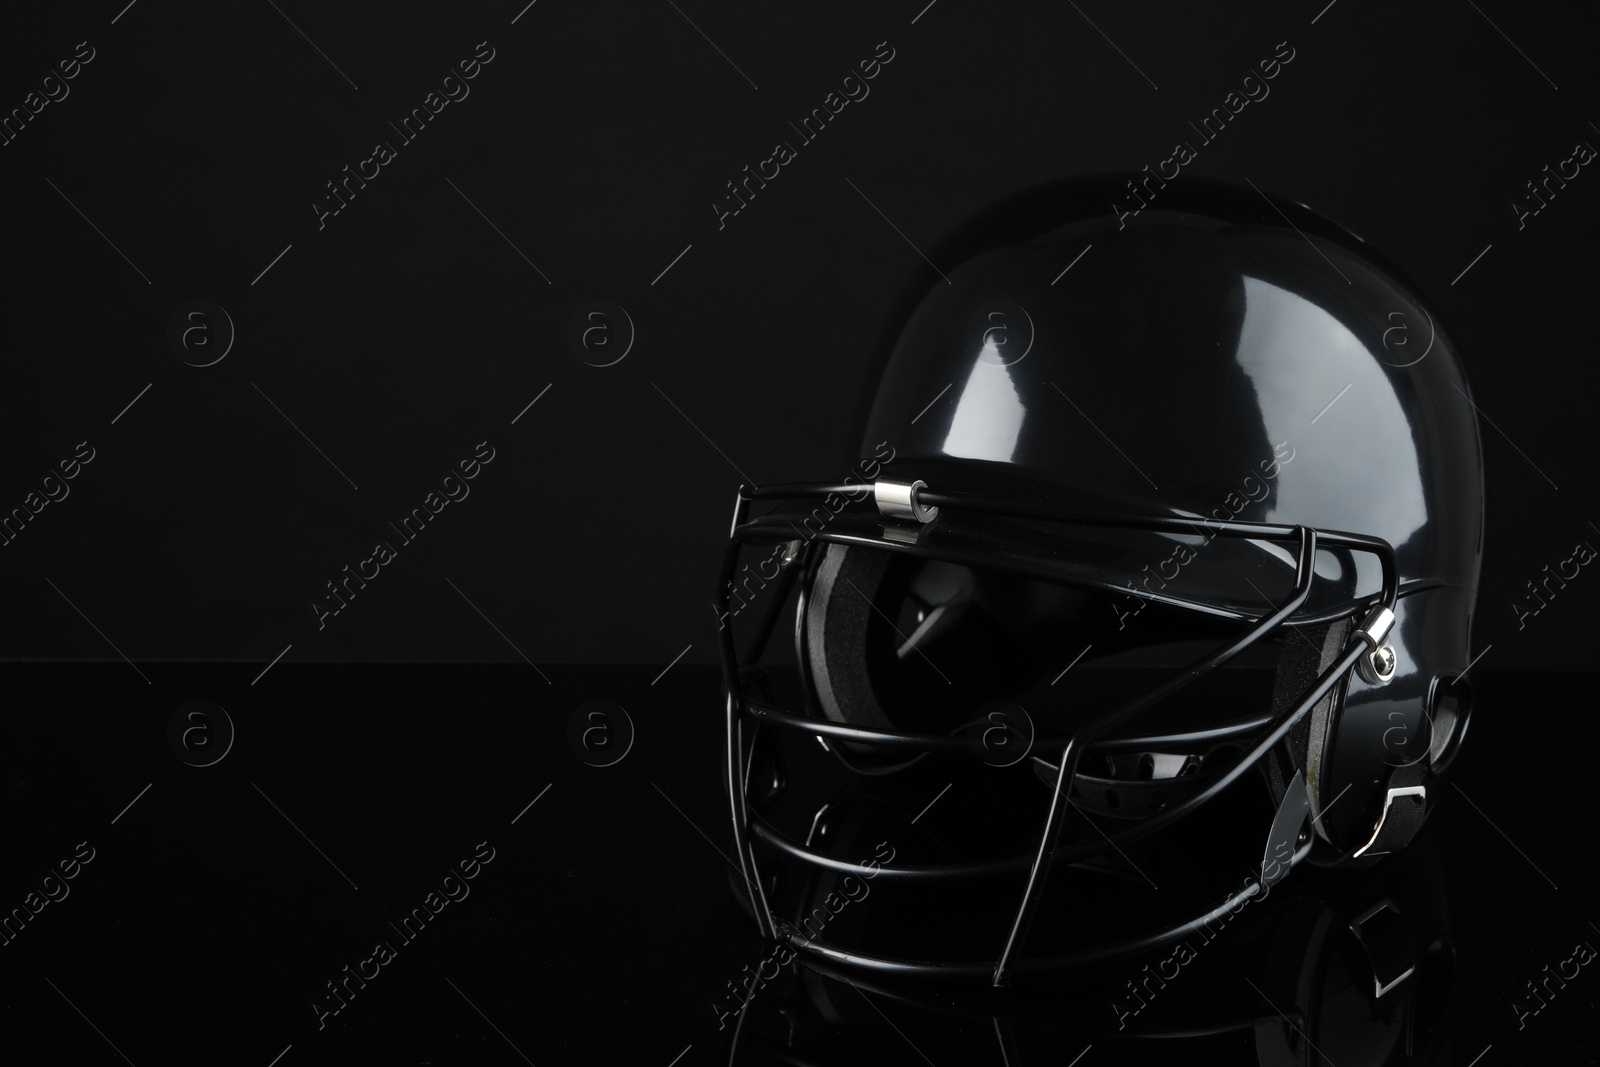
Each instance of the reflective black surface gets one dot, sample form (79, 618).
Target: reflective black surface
(603, 930)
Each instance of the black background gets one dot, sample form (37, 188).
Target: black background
(414, 326)
(407, 329)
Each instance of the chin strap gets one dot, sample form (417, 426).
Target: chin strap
(1403, 807)
(1307, 654)
(1405, 799)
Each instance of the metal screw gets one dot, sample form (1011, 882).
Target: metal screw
(1378, 666)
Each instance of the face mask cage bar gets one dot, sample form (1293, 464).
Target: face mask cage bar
(917, 503)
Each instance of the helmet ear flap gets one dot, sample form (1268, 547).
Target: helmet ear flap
(832, 651)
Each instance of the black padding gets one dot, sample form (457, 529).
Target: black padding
(1126, 798)
(1307, 652)
(839, 608)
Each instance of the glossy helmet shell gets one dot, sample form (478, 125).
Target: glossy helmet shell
(1215, 355)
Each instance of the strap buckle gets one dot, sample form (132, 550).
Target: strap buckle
(1419, 791)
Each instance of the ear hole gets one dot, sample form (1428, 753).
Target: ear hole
(1449, 708)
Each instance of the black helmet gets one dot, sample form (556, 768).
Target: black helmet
(1222, 430)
